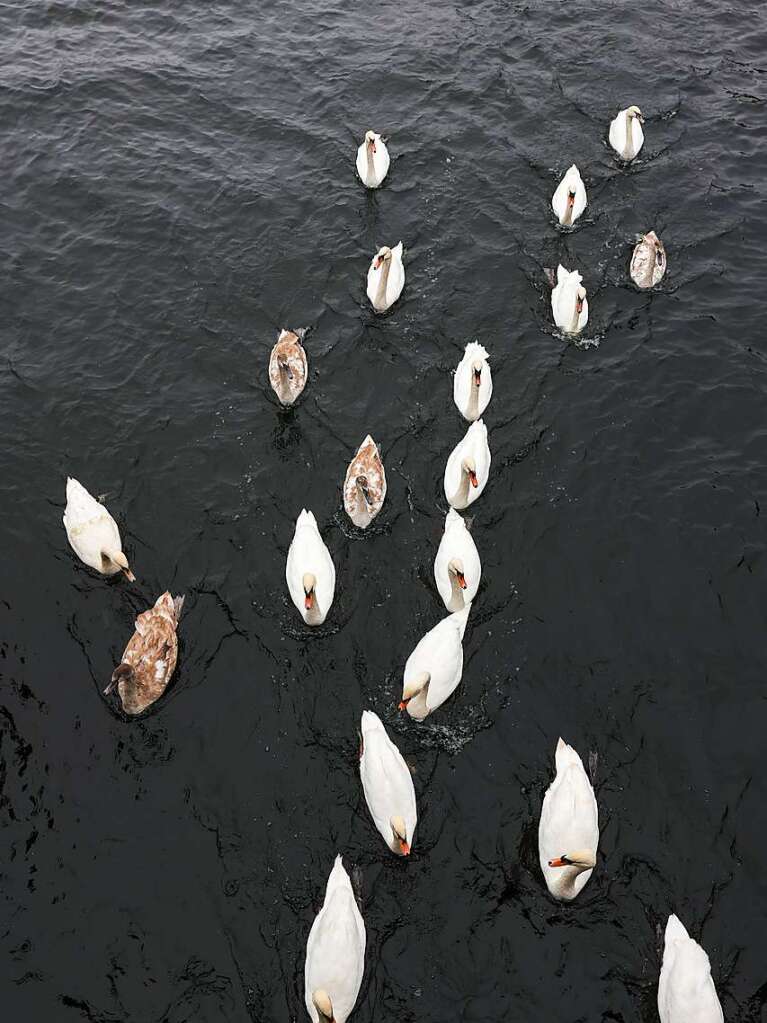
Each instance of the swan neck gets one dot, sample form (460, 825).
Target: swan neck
(284, 392)
(461, 498)
(628, 150)
(380, 302)
(371, 163)
(472, 410)
(568, 217)
(456, 594)
(313, 616)
(566, 882)
(573, 328)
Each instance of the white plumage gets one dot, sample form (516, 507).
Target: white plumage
(568, 301)
(568, 826)
(386, 278)
(569, 199)
(372, 160)
(434, 668)
(388, 786)
(473, 382)
(92, 532)
(457, 568)
(468, 467)
(626, 135)
(309, 571)
(335, 950)
(686, 992)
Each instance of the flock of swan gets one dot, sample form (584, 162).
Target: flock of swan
(568, 833)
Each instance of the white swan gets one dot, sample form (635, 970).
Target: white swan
(388, 786)
(568, 301)
(457, 568)
(335, 952)
(468, 467)
(626, 135)
(686, 992)
(365, 484)
(310, 573)
(568, 833)
(372, 160)
(386, 278)
(648, 261)
(569, 200)
(92, 532)
(288, 365)
(473, 382)
(434, 668)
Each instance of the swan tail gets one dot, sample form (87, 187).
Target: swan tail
(566, 756)
(370, 722)
(476, 351)
(675, 929)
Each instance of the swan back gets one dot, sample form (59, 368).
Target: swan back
(335, 949)
(568, 823)
(90, 528)
(457, 543)
(387, 783)
(569, 304)
(308, 556)
(473, 450)
(686, 992)
(569, 199)
(471, 398)
(440, 654)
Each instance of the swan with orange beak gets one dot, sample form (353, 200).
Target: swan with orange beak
(473, 382)
(626, 135)
(388, 786)
(435, 667)
(468, 467)
(372, 160)
(568, 832)
(569, 200)
(92, 532)
(386, 278)
(569, 304)
(309, 571)
(457, 568)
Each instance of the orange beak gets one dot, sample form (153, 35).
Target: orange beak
(461, 580)
(372, 146)
(378, 262)
(404, 848)
(560, 861)
(571, 200)
(309, 600)
(477, 377)
(473, 479)
(402, 705)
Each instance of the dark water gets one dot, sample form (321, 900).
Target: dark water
(177, 184)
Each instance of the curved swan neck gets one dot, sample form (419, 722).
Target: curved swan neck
(629, 145)
(568, 217)
(371, 163)
(573, 328)
(456, 594)
(381, 293)
(284, 383)
(566, 882)
(472, 410)
(313, 616)
(461, 498)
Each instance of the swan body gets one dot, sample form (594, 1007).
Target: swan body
(149, 659)
(365, 484)
(568, 301)
(386, 278)
(388, 786)
(457, 568)
(288, 365)
(569, 200)
(568, 832)
(473, 382)
(335, 952)
(468, 467)
(648, 261)
(626, 135)
(434, 668)
(310, 573)
(92, 532)
(686, 992)
(372, 160)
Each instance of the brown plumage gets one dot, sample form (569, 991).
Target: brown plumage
(288, 366)
(365, 484)
(149, 659)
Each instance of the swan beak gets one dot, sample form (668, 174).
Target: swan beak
(402, 705)
(578, 305)
(404, 848)
(309, 600)
(571, 199)
(377, 264)
(129, 575)
(560, 861)
(372, 147)
(473, 479)
(109, 688)
(477, 377)
(461, 580)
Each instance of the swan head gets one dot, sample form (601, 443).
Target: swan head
(370, 140)
(362, 486)
(583, 859)
(284, 367)
(400, 834)
(476, 369)
(309, 582)
(119, 559)
(634, 111)
(455, 568)
(469, 467)
(382, 256)
(580, 298)
(122, 679)
(412, 688)
(323, 1005)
